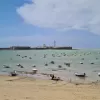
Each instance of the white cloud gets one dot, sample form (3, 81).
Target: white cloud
(63, 14)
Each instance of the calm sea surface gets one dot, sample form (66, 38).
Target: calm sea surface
(74, 57)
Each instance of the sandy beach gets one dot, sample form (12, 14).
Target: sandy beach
(21, 88)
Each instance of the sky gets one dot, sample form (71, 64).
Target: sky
(36, 22)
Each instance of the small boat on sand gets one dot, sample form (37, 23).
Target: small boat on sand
(13, 73)
(34, 71)
(80, 74)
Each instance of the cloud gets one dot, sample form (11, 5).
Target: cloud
(63, 14)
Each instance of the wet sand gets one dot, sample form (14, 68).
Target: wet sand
(21, 88)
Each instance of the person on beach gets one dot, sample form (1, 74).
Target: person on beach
(54, 78)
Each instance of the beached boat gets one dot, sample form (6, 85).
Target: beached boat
(13, 73)
(34, 71)
(80, 74)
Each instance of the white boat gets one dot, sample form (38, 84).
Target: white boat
(18, 65)
(99, 74)
(14, 73)
(81, 62)
(34, 71)
(80, 74)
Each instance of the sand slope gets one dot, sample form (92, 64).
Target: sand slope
(31, 89)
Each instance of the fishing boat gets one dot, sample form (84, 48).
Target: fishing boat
(13, 73)
(99, 74)
(34, 71)
(80, 74)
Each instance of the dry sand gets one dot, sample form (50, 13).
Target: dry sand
(15, 88)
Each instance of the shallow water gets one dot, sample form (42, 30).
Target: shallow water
(72, 56)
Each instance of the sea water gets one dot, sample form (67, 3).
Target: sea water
(74, 57)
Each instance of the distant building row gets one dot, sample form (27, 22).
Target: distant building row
(36, 48)
(29, 48)
(20, 48)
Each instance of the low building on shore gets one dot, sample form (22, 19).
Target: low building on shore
(20, 48)
(52, 48)
(65, 48)
(37, 48)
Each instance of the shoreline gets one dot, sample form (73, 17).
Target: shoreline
(29, 76)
